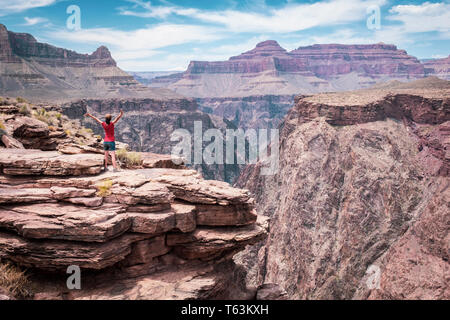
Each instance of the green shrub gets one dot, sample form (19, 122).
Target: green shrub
(21, 100)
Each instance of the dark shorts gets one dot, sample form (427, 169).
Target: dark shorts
(109, 146)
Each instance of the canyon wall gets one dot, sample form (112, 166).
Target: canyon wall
(359, 207)
(266, 111)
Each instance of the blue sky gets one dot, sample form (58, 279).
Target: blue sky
(164, 35)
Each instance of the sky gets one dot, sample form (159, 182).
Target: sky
(165, 35)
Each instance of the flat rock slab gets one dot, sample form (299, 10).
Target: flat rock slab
(50, 163)
(58, 255)
(189, 186)
(229, 215)
(153, 160)
(209, 243)
(179, 216)
(178, 284)
(15, 195)
(66, 222)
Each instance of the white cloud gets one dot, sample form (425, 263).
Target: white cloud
(425, 17)
(154, 37)
(438, 56)
(290, 18)
(34, 21)
(151, 11)
(13, 6)
(136, 49)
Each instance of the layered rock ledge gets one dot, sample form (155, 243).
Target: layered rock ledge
(130, 226)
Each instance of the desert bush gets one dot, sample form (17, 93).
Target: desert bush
(42, 115)
(86, 132)
(68, 132)
(104, 188)
(129, 158)
(14, 280)
(2, 126)
(21, 100)
(25, 110)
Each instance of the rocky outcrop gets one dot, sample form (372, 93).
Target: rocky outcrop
(44, 73)
(28, 126)
(148, 124)
(358, 207)
(268, 69)
(142, 229)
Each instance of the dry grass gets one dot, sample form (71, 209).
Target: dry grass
(21, 100)
(14, 280)
(25, 110)
(130, 159)
(104, 188)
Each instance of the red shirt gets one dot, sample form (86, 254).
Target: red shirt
(109, 131)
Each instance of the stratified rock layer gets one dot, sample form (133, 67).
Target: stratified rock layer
(57, 210)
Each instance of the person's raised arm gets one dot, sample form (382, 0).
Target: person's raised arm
(118, 117)
(90, 115)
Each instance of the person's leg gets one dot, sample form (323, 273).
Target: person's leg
(106, 159)
(113, 158)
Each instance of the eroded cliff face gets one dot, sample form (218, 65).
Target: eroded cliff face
(157, 231)
(362, 186)
(253, 112)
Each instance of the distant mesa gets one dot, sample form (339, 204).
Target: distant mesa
(271, 69)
